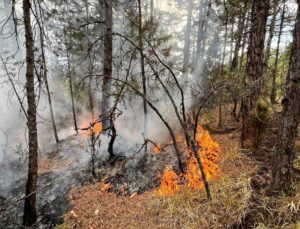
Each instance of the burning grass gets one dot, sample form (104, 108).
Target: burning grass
(233, 200)
(188, 208)
(209, 151)
(93, 207)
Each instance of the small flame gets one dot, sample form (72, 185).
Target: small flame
(210, 155)
(105, 187)
(90, 125)
(157, 149)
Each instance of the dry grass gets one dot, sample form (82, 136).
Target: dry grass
(278, 212)
(95, 208)
(231, 196)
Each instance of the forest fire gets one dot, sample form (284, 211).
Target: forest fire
(90, 126)
(210, 154)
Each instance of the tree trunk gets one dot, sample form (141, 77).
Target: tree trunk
(255, 63)
(200, 32)
(187, 39)
(231, 40)
(151, 10)
(245, 39)
(30, 215)
(142, 62)
(239, 36)
(107, 66)
(225, 36)
(274, 72)
(271, 33)
(45, 75)
(90, 65)
(220, 121)
(71, 92)
(282, 171)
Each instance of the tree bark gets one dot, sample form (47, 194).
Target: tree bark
(255, 63)
(107, 66)
(282, 171)
(30, 215)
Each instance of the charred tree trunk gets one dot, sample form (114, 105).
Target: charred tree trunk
(107, 66)
(274, 72)
(282, 171)
(30, 214)
(187, 39)
(255, 63)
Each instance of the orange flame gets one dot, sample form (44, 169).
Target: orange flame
(209, 151)
(169, 182)
(90, 126)
(156, 149)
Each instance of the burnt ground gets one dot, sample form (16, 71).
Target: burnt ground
(66, 166)
(62, 167)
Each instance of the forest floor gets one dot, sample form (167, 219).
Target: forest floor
(240, 195)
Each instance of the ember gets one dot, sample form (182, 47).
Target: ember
(210, 154)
